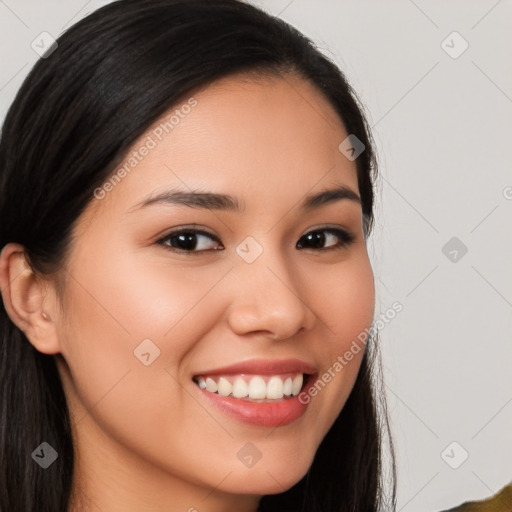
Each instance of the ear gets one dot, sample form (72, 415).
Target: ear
(28, 299)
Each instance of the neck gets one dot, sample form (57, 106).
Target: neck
(110, 477)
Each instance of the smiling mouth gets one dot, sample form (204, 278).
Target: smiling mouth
(254, 388)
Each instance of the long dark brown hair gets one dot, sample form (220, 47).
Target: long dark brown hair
(74, 118)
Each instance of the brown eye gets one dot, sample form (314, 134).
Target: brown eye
(190, 240)
(322, 239)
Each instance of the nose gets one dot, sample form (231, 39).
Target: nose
(269, 299)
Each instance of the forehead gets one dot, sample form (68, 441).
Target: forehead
(266, 138)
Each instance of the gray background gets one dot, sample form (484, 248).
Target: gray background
(443, 129)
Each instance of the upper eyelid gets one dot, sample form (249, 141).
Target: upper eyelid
(198, 231)
(202, 231)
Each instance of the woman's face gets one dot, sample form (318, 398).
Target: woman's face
(271, 285)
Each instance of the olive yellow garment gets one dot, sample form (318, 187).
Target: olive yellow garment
(500, 502)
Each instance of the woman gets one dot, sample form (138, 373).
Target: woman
(186, 195)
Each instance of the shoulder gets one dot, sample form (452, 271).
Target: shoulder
(499, 502)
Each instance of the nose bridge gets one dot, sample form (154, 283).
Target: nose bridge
(268, 294)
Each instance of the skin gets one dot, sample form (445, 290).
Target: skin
(146, 439)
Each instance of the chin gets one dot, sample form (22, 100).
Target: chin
(272, 477)
(264, 482)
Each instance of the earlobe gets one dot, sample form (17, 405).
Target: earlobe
(23, 294)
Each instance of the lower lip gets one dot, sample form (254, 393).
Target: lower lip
(263, 414)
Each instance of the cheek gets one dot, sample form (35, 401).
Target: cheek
(346, 307)
(143, 407)
(345, 301)
(117, 317)
(118, 306)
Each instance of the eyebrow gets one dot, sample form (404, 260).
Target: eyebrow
(213, 201)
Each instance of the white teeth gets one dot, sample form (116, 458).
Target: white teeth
(287, 388)
(240, 388)
(275, 388)
(211, 385)
(296, 385)
(224, 387)
(255, 388)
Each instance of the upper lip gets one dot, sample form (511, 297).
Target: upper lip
(263, 367)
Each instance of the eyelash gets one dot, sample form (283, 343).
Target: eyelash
(345, 238)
